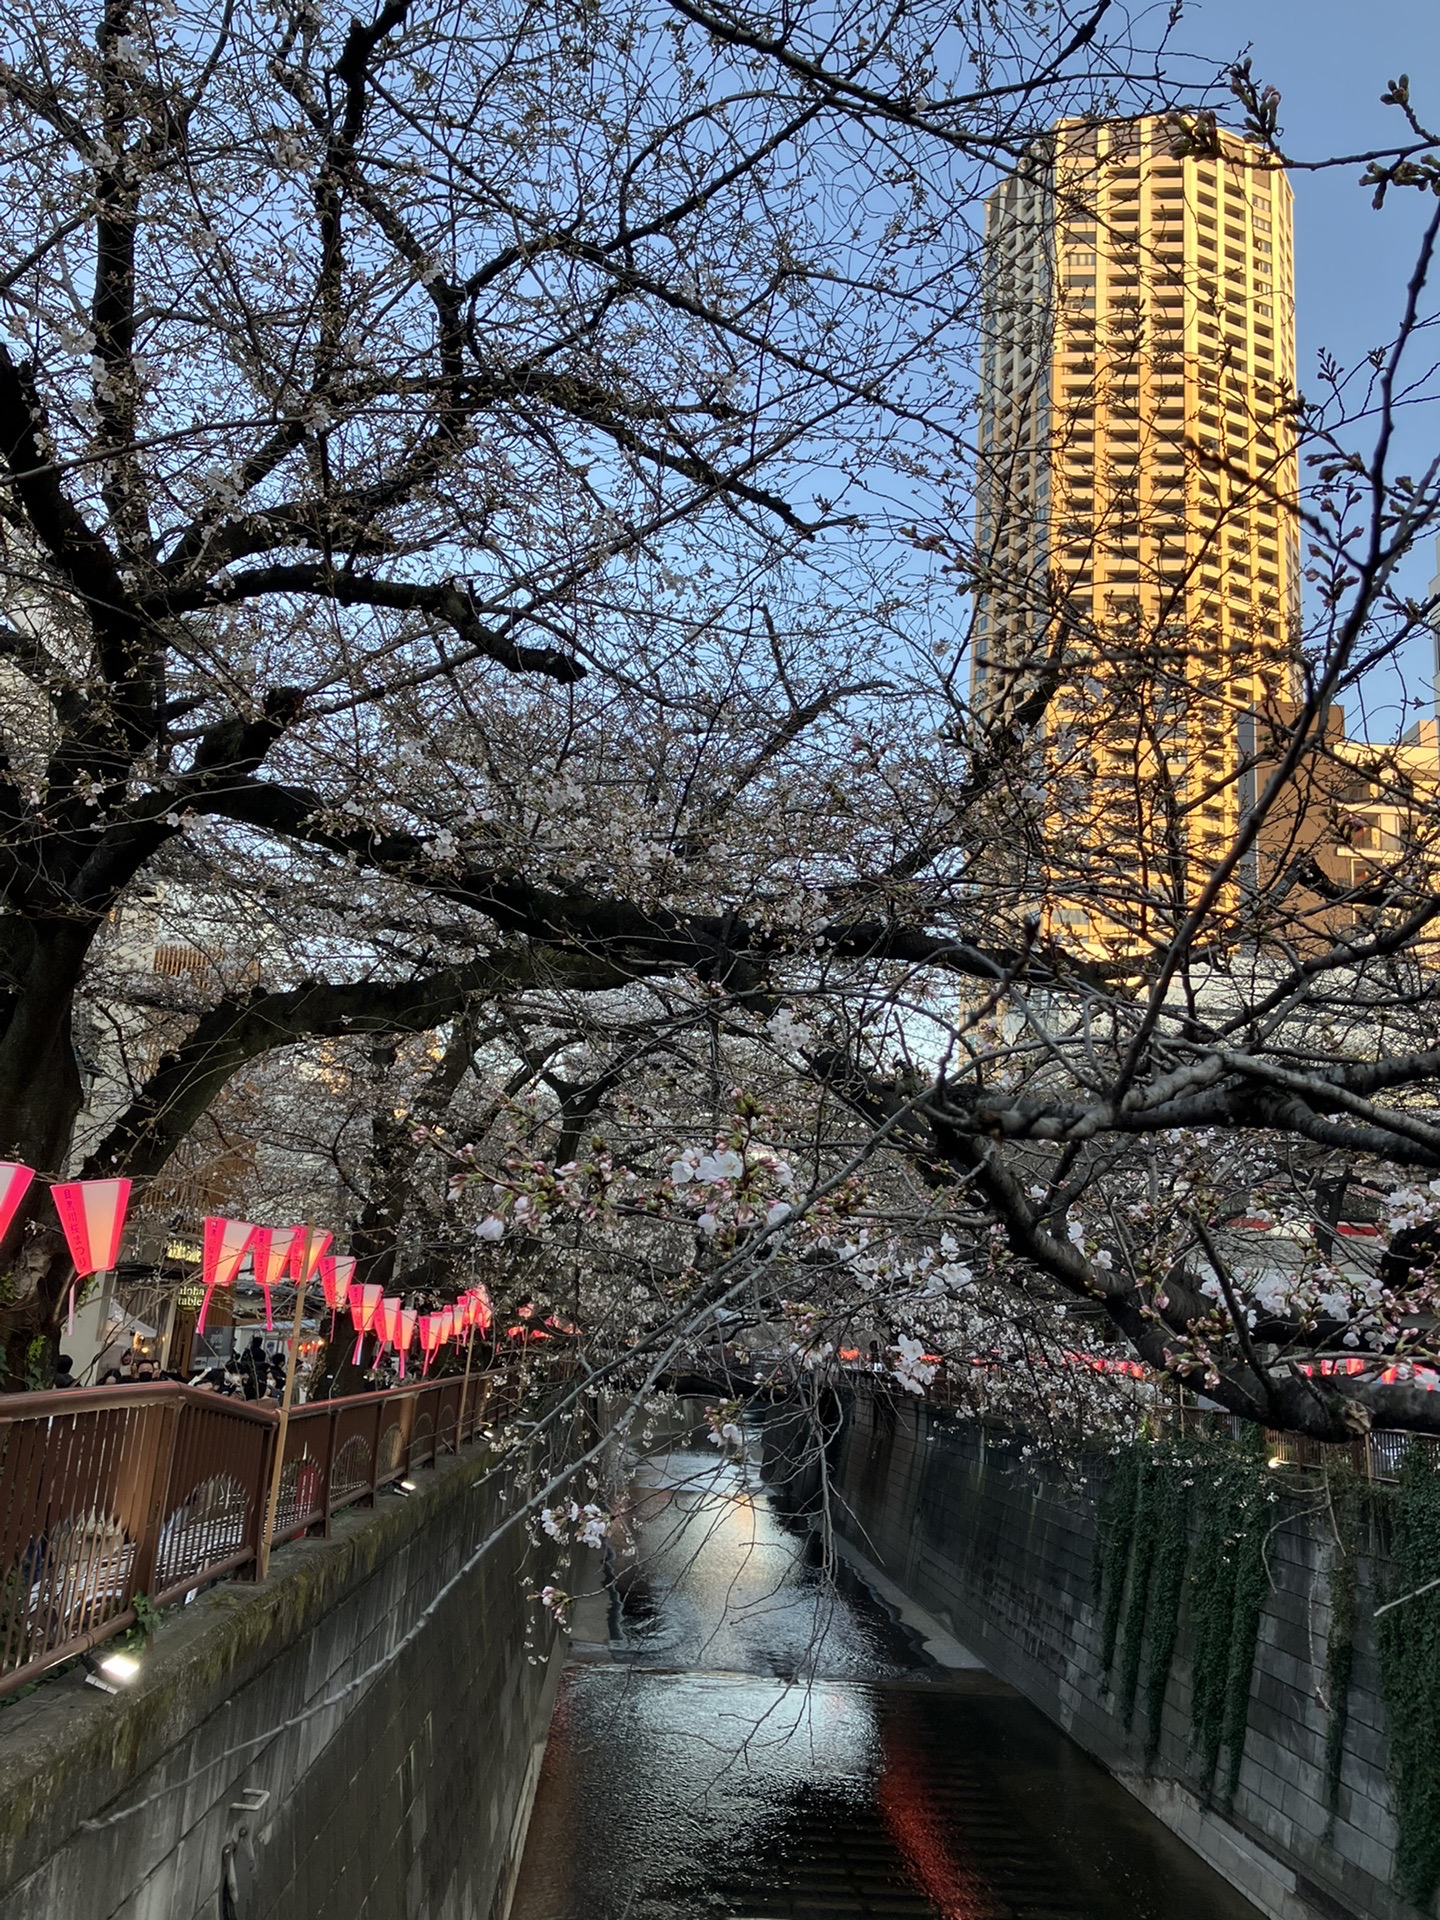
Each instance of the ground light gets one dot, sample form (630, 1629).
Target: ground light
(111, 1671)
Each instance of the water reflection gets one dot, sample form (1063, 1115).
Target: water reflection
(720, 1583)
(730, 1760)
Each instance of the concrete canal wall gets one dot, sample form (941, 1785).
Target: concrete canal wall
(1001, 1551)
(405, 1798)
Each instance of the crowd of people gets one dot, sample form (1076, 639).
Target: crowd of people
(251, 1375)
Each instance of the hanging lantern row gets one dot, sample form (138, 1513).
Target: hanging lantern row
(92, 1218)
(275, 1254)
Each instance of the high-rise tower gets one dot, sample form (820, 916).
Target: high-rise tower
(1136, 527)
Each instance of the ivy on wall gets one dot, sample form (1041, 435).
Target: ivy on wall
(1183, 1530)
(1114, 1532)
(1202, 1511)
(1407, 1640)
(1167, 1589)
(1150, 1500)
(1340, 1641)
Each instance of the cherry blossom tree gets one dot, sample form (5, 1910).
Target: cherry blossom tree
(438, 447)
(486, 535)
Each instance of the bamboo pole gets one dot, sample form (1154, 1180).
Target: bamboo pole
(464, 1391)
(272, 1504)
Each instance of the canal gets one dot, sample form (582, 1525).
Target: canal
(744, 1738)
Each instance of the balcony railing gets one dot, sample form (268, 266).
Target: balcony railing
(110, 1493)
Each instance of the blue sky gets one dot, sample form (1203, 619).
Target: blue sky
(1331, 60)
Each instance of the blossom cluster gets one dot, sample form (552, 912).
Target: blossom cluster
(587, 1526)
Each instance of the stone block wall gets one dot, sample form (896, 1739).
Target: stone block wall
(270, 1744)
(1001, 1550)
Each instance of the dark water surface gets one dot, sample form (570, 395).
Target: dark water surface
(755, 1742)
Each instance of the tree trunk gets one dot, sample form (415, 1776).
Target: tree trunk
(40, 1099)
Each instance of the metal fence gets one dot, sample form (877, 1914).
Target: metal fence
(1378, 1455)
(1375, 1456)
(110, 1493)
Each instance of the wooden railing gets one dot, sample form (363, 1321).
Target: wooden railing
(111, 1493)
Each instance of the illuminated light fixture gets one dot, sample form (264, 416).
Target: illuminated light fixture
(387, 1321)
(111, 1671)
(1276, 1462)
(365, 1306)
(92, 1214)
(308, 1247)
(225, 1246)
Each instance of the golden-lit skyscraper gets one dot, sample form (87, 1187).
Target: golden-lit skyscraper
(1136, 528)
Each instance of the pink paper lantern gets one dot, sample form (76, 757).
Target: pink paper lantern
(308, 1247)
(270, 1255)
(430, 1337)
(365, 1307)
(226, 1242)
(14, 1185)
(387, 1324)
(92, 1215)
(405, 1334)
(335, 1271)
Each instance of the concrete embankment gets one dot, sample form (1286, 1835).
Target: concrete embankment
(1000, 1549)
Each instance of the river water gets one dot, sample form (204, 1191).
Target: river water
(754, 1741)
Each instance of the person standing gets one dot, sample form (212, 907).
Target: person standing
(254, 1369)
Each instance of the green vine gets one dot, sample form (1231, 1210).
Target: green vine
(1340, 1642)
(1167, 1588)
(39, 1369)
(1149, 1498)
(1252, 1586)
(1205, 1511)
(1227, 1594)
(1408, 1642)
(1112, 1549)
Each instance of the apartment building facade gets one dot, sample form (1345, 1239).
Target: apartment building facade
(1137, 539)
